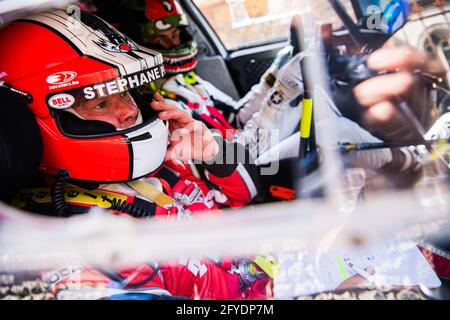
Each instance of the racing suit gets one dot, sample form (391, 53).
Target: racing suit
(232, 185)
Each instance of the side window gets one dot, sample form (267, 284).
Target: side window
(246, 23)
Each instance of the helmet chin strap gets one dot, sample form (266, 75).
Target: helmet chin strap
(139, 119)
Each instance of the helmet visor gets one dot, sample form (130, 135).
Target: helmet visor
(104, 109)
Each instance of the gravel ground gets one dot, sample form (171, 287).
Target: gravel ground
(17, 287)
(13, 287)
(370, 294)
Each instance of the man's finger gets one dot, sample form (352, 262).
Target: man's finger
(404, 58)
(384, 117)
(158, 97)
(382, 88)
(391, 59)
(381, 113)
(176, 115)
(162, 106)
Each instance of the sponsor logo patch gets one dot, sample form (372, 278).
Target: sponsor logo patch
(277, 97)
(62, 79)
(61, 101)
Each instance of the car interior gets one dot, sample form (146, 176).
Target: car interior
(233, 70)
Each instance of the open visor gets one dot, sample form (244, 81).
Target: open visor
(114, 119)
(105, 108)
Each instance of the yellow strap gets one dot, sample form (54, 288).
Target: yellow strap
(94, 198)
(151, 193)
(305, 124)
(72, 195)
(268, 265)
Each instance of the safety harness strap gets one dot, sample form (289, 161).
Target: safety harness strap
(151, 193)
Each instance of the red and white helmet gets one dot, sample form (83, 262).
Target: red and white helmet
(54, 56)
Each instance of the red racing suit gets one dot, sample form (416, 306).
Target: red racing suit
(232, 185)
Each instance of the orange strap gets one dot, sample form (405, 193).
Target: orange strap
(282, 193)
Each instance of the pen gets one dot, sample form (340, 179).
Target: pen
(362, 273)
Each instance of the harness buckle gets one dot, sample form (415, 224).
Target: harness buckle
(189, 198)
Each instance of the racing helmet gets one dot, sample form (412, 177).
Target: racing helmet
(59, 62)
(161, 15)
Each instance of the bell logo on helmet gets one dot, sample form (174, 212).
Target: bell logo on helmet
(61, 101)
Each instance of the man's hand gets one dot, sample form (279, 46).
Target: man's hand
(377, 94)
(356, 281)
(189, 139)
